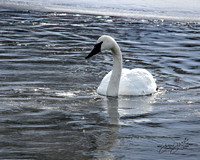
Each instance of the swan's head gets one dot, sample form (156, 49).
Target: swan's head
(103, 43)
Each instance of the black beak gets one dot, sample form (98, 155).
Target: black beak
(96, 49)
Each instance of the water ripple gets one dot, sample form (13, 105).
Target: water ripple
(48, 102)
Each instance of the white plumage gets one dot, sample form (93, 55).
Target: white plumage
(122, 81)
(132, 82)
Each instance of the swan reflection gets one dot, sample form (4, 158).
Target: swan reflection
(129, 108)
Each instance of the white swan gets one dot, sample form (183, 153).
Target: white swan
(122, 81)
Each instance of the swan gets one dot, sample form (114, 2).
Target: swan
(122, 82)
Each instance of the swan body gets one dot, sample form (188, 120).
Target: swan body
(122, 81)
(133, 82)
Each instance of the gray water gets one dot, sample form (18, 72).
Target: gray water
(49, 108)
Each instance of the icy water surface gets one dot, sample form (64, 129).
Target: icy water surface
(49, 108)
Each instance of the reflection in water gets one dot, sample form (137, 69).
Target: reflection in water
(112, 105)
(124, 111)
(129, 108)
(107, 141)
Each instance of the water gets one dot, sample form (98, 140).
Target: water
(49, 108)
(168, 9)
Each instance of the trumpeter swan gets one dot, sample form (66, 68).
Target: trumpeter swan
(122, 81)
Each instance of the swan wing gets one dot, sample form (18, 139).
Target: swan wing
(136, 82)
(133, 82)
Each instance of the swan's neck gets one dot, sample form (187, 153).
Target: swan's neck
(113, 86)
